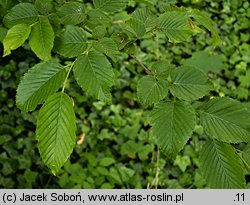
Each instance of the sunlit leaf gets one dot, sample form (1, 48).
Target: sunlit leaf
(15, 37)
(42, 38)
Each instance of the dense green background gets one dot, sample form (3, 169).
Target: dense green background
(118, 151)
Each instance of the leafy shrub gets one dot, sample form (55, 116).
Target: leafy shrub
(94, 39)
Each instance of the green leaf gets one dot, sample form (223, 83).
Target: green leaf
(145, 16)
(246, 157)
(23, 13)
(221, 166)
(108, 47)
(3, 33)
(110, 5)
(72, 42)
(107, 161)
(72, 13)
(44, 6)
(150, 90)
(226, 119)
(38, 84)
(135, 27)
(182, 162)
(245, 79)
(42, 38)
(55, 132)
(172, 125)
(175, 25)
(161, 69)
(206, 61)
(94, 74)
(97, 17)
(207, 23)
(15, 37)
(189, 83)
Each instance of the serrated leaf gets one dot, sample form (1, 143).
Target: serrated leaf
(38, 84)
(161, 69)
(55, 132)
(221, 166)
(72, 42)
(172, 125)
(206, 61)
(94, 75)
(41, 38)
(15, 37)
(107, 46)
(110, 5)
(145, 16)
(23, 13)
(175, 25)
(135, 27)
(226, 119)
(121, 39)
(97, 17)
(189, 83)
(246, 157)
(72, 13)
(44, 6)
(207, 23)
(150, 90)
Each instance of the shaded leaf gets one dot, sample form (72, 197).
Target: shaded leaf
(145, 16)
(23, 13)
(108, 47)
(221, 166)
(72, 13)
(38, 84)
(94, 74)
(175, 25)
(110, 5)
(42, 38)
(15, 37)
(226, 119)
(150, 90)
(162, 69)
(44, 6)
(172, 125)
(206, 61)
(56, 131)
(207, 23)
(72, 42)
(246, 157)
(3, 33)
(135, 27)
(189, 83)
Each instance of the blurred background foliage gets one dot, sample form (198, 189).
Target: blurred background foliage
(115, 148)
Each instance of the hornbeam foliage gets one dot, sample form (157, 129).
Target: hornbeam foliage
(89, 40)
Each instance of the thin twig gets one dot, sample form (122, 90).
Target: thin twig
(141, 64)
(67, 76)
